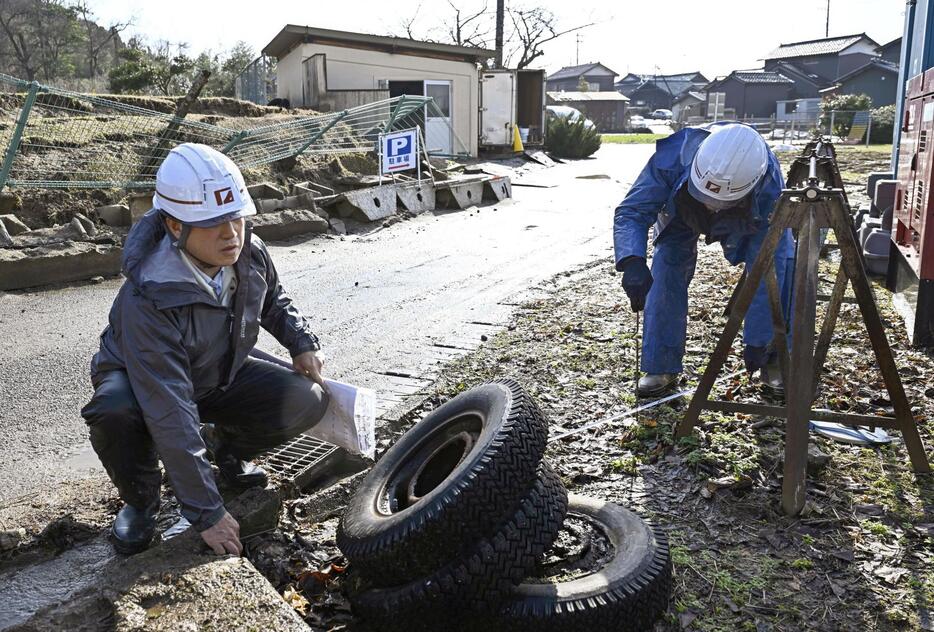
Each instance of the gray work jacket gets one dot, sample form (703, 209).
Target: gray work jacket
(178, 343)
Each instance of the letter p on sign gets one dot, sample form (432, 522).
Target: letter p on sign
(398, 145)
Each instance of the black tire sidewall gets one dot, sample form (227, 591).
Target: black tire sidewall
(491, 402)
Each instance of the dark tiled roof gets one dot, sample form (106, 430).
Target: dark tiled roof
(667, 84)
(794, 71)
(570, 72)
(760, 76)
(691, 95)
(635, 78)
(825, 46)
(897, 42)
(881, 64)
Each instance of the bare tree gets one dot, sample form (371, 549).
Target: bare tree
(17, 23)
(408, 24)
(463, 27)
(57, 28)
(468, 28)
(534, 27)
(97, 40)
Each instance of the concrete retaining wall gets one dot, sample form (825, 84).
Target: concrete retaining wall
(57, 263)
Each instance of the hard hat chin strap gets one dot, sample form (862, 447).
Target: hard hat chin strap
(183, 237)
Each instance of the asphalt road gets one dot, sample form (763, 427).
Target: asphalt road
(392, 302)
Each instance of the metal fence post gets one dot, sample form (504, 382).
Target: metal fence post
(18, 133)
(395, 113)
(868, 129)
(320, 133)
(236, 140)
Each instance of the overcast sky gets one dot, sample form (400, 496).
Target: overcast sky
(713, 36)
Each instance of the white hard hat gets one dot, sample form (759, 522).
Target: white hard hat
(728, 165)
(200, 186)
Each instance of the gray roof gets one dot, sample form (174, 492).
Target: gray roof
(881, 64)
(691, 94)
(759, 76)
(824, 46)
(794, 71)
(672, 85)
(586, 96)
(292, 35)
(633, 77)
(572, 72)
(897, 42)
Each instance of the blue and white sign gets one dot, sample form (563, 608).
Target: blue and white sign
(399, 151)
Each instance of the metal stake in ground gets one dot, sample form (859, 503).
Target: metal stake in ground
(635, 370)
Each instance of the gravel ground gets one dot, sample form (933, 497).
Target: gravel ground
(858, 558)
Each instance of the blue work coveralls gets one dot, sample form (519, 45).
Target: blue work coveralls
(651, 200)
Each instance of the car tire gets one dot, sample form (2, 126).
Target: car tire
(484, 577)
(447, 483)
(627, 594)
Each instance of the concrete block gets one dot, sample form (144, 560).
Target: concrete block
(72, 231)
(367, 205)
(13, 225)
(265, 190)
(311, 186)
(89, 226)
(85, 584)
(287, 224)
(302, 200)
(140, 204)
(57, 263)
(115, 214)
(417, 198)
(9, 202)
(267, 205)
(229, 593)
(459, 194)
(338, 226)
(884, 196)
(497, 189)
(873, 178)
(5, 239)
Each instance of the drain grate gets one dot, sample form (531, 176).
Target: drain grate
(301, 459)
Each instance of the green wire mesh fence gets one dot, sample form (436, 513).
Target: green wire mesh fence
(60, 139)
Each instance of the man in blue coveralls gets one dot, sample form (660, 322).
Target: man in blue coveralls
(721, 181)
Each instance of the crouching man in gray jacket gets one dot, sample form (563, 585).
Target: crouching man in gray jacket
(176, 354)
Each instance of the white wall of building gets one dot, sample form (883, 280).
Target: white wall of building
(358, 69)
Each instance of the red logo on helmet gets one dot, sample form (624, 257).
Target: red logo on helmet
(224, 196)
(713, 188)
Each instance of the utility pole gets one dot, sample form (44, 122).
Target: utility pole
(577, 61)
(827, 28)
(500, 14)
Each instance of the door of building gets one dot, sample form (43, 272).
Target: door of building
(438, 130)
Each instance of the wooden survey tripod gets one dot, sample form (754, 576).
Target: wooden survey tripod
(814, 199)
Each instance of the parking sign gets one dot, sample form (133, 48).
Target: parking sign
(399, 151)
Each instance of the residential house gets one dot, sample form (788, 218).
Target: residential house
(331, 70)
(687, 105)
(814, 65)
(598, 78)
(606, 109)
(877, 78)
(752, 93)
(891, 52)
(651, 92)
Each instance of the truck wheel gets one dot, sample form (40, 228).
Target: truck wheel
(484, 577)
(609, 570)
(447, 483)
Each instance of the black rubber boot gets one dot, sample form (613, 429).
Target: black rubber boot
(133, 529)
(234, 471)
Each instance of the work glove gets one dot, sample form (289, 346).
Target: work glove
(637, 281)
(755, 357)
